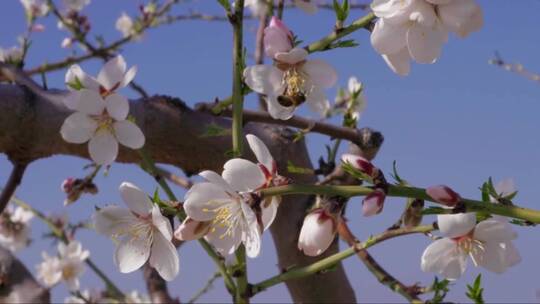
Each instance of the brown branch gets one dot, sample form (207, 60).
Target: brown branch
(177, 180)
(517, 68)
(157, 287)
(13, 182)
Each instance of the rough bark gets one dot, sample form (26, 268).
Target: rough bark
(175, 134)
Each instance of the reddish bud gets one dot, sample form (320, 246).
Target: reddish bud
(373, 203)
(67, 184)
(360, 163)
(444, 195)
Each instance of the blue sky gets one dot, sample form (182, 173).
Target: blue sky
(456, 122)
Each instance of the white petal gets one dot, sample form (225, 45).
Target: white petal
(307, 6)
(494, 231)
(113, 220)
(277, 37)
(316, 235)
(103, 148)
(425, 43)
(320, 73)
(112, 73)
(457, 13)
(422, 13)
(88, 82)
(264, 79)
(387, 38)
(278, 111)
(261, 151)
(224, 243)
(117, 106)
(78, 128)
(443, 258)
(128, 77)
(293, 56)
(202, 199)
(491, 256)
(505, 187)
(318, 102)
(399, 62)
(132, 253)
(191, 229)
(396, 11)
(456, 225)
(136, 200)
(252, 234)
(128, 134)
(216, 179)
(164, 257)
(269, 212)
(161, 223)
(475, 23)
(243, 175)
(90, 102)
(71, 100)
(511, 254)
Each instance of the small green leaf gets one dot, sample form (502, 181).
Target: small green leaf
(440, 288)
(76, 84)
(475, 291)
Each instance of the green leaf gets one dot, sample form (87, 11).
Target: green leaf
(475, 291)
(440, 288)
(213, 130)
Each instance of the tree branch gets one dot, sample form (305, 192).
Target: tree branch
(13, 182)
(157, 287)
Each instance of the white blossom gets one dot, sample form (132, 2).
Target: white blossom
(35, 8)
(100, 116)
(317, 233)
(144, 233)
(125, 25)
(488, 244)
(15, 228)
(11, 55)
(76, 5)
(293, 79)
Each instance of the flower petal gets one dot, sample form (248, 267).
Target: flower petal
(113, 220)
(216, 179)
(90, 102)
(399, 62)
(261, 151)
(128, 134)
(511, 254)
(132, 253)
(456, 225)
(388, 38)
(252, 233)
(243, 175)
(224, 243)
(293, 56)
(317, 234)
(191, 229)
(103, 148)
(112, 73)
(128, 77)
(425, 43)
(321, 74)
(78, 128)
(264, 79)
(278, 111)
(493, 230)
(277, 37)
(269, 212)
(161, 223)
(117, 106)
(317, 101)
(164, 257)
(492, 257)
(75, 73)
(71, 100)
(136, 200)
(443, 258)
(202, 199)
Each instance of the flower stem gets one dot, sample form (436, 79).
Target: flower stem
(238, 64)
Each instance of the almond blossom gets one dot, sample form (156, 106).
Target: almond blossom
(259, 7)
(35, 8)
(417, 29)
(15, 228)
(144, 233)
(352, 100)
(12, 55)
(101, 115)
(67, 266)
(125, 25)
(317, 233)
(293, 79)
(76, 5)
(488, 244)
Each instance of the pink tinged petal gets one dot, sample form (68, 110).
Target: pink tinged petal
(387, 38)
(277, 38)
(373, 203)
(264, 79)
(136, 200)
(269, 212)
(216, 179)
(243, 175)
(320, 73)
(399, 62)
(203, 199)
(456, 225)
(317, 101)
(261, 151)
(162, 224)
(293, 56)
(278, 111)
(396, 11)
(191, 229)
(443, 195)
(132, 253)
(90, 102)
(128, 134)
(71, 100)
(164, 257)
(112, 73)
(425, 43)
(492, 230)
(128, 77)
(103, 148)
(444, 258)
(317, 233)
(78, 128)
(117, 106)
(492, 257)
(113, 220)
(88, 82)
(359, 163)
(307, 6)
(251, 236)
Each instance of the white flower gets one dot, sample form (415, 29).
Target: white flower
(35, 8)
(293, 79)
(135, 298)
(101, 114)
(317, 233)
(124, 24)
(145, 234)
(67, 266)
(76, 5)
(11, 55)
(15, 228)
(488, 243)
(417, 29)
(504, 188)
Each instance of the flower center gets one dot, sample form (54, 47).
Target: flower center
(105, 122)
(69, 271)
(295, 91)
(224, 218)
(471, 246)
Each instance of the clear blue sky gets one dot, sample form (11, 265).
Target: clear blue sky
(457, 122)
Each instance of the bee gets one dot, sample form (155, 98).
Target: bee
(291, 100)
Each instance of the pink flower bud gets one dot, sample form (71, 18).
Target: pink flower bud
(277, 38)
(373, 203)
(191, 229)
(444, 195)
(317, 233)
(360, 163)
(67, 184)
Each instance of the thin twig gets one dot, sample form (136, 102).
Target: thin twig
(206, 288)
(13, 182)
(515, 68)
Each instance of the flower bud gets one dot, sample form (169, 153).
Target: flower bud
(444, 195)
(360, 163)
(373, 203)
(277, 38)
(317, 233)
(191, 229)
(67, 184)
